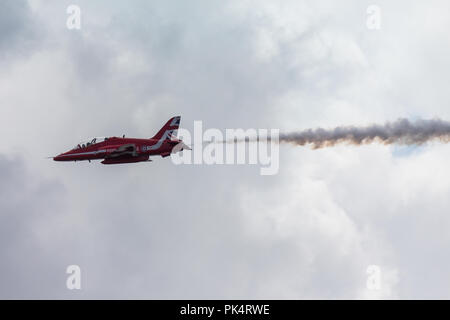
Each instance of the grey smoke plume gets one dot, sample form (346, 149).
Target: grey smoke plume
(401, 131)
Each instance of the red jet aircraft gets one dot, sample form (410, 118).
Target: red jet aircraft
(116, 150)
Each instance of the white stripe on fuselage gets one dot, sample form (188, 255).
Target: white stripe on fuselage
(82, 153)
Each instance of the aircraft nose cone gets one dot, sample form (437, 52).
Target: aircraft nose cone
(57, 158)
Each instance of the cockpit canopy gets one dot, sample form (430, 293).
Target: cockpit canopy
(90, 142)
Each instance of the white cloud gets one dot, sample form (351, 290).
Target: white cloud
(163, 231)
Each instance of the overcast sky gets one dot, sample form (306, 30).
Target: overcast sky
(159, 230)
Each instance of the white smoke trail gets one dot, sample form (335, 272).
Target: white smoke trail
(401, 131)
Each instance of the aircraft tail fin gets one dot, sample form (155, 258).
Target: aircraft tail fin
(169, 129)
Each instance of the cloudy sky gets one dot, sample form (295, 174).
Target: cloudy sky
(159, 230)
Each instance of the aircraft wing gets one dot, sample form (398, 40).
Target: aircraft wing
(122, 150)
